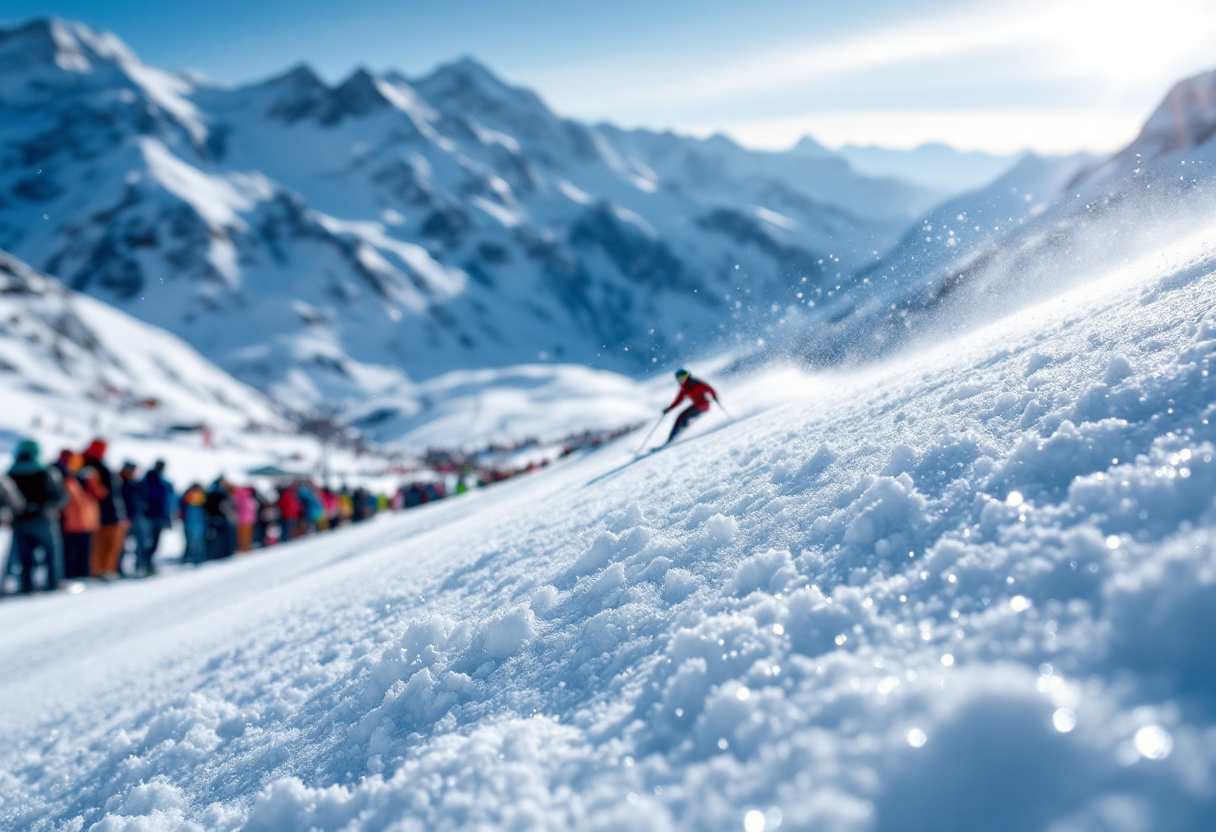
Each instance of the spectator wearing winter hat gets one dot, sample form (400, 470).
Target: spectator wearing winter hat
(81, 516)
(107, 542)
(194, 524)
(221, 521)
(36, 527)
(290, 512)
(245, 505)
(137, 517)
(264, 530)
(159, 497)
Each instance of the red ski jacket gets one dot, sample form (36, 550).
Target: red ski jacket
(696, 391)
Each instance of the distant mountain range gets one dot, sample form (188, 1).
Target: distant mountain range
(330, 242)
(1045, 226)
(351, 246)
(936, 166)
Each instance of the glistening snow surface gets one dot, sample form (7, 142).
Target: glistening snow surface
(974, 589)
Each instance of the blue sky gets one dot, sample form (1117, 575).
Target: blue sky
(1052, 75)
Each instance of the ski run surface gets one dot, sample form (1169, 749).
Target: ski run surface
(972, 588)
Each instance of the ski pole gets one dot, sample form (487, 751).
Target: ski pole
(652, 430)
(724, 410)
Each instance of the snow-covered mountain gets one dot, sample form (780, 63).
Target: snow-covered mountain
(72, 364)
(821, 191)
(987, 252)
(1184, 123)
(328, 241)
(73, 368)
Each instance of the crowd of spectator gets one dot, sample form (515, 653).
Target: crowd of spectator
(75, 519)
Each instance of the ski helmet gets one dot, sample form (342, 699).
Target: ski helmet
(682, 374)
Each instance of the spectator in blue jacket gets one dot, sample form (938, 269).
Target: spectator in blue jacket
(194, 524)
(159, 501)
(137, 514)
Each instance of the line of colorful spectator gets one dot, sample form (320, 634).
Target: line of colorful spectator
(76, 519)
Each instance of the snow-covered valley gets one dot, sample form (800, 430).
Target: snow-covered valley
(966, 588)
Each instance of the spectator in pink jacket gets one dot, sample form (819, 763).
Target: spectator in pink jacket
(246, 504)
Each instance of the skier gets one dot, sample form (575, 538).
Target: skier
(697, 392)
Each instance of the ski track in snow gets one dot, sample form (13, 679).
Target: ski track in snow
(974, 588)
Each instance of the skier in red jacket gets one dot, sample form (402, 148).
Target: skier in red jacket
(697, 392)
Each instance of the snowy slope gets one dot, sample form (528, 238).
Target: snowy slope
(67, 359)
(1160, 188)
(972, 588)
(327, 242)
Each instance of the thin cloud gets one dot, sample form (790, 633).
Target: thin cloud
(1120, 48)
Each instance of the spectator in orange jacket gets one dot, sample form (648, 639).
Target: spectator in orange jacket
(81, 517)
(106, 560)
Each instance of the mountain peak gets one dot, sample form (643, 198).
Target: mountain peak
(40, 28)
(44, 59)
(467, 82)
(358, 95)
(467, 68)
(296, 93)
(807, 146)
(43, 43)
(300, 77)
(468, 88)
(1186, 118)
(720, 140)
(72, 46)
